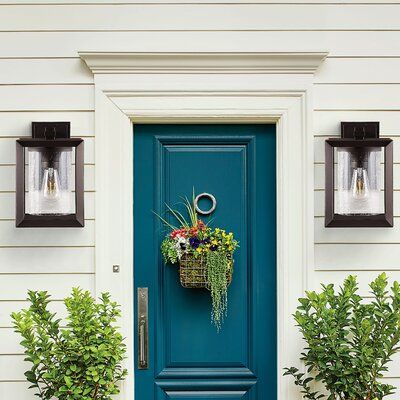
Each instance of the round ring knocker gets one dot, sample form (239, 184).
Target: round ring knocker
(208, 196)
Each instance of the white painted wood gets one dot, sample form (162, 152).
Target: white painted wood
(338, 43)
(18, 124)
(327, 123)
(12, 368)
(291, 110)
(12, 236)
(199, 17)
(41, 260)
(202, 62)
(357, 257)
(319, 203)
(203, 81)
(52, 97)
(319, 170)
(12, 287)
(44, 71)
(19, 390)
(7, 178)
(7, 209)
(363, 277)
(156, 2)
(10, 342)
(7, 151)
(357, 97)
(359, 70)
(356, 235)
(7, 307)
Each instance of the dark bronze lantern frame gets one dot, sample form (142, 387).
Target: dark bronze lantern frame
(358, 135)
(39, 141)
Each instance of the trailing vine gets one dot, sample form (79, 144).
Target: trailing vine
(217, 268)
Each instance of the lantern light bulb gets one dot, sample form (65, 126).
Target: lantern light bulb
(360, 183)
(51, 184)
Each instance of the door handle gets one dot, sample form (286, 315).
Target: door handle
(143, 328)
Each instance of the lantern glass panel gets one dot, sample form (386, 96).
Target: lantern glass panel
(50, 182)
(359, 181)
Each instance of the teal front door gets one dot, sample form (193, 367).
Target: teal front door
(187, 358)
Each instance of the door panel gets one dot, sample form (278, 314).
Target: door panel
(188, 358)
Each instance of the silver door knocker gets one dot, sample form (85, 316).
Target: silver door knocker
(207, 196)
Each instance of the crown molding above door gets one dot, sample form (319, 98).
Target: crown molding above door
(215, 62)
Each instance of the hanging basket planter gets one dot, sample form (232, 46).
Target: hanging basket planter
(204, 254)
(193, 273)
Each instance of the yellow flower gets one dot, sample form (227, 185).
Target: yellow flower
(199, 249)
(214, 242)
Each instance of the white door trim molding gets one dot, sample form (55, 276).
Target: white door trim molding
(123, 98)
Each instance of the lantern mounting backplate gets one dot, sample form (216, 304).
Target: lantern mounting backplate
(360, 130)
(51, 130)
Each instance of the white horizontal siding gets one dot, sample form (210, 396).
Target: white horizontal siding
(12, 236)
(12, 287)
(352, 257)
(44, 71)
(199, 17)
(44, 260)
(9, 306)
(46, 97)
(338, 43)
(19, 123)
(359, 70)
(43, 79)
(327, 122)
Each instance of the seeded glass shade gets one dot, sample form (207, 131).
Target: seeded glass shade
(359, 181)
(50, 181)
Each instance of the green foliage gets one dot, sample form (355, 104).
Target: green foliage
(217, 268)
(349, 341)
(169, 251)
(81, 361)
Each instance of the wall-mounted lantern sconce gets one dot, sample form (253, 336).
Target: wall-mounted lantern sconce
(359, 177)
(49, 177)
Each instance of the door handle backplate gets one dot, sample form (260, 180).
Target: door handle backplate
(143, 328)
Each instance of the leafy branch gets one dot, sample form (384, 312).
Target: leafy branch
(349, 341)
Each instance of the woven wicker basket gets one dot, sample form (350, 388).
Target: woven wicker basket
(193, 272)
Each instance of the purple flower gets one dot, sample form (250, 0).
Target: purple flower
(214, 248)
(194, 242)
(206, 240)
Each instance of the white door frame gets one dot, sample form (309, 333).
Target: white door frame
(205, 88)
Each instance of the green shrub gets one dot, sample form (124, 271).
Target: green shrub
(349, 341)
(81, 361)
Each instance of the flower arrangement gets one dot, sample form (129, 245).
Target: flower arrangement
(204, 254)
